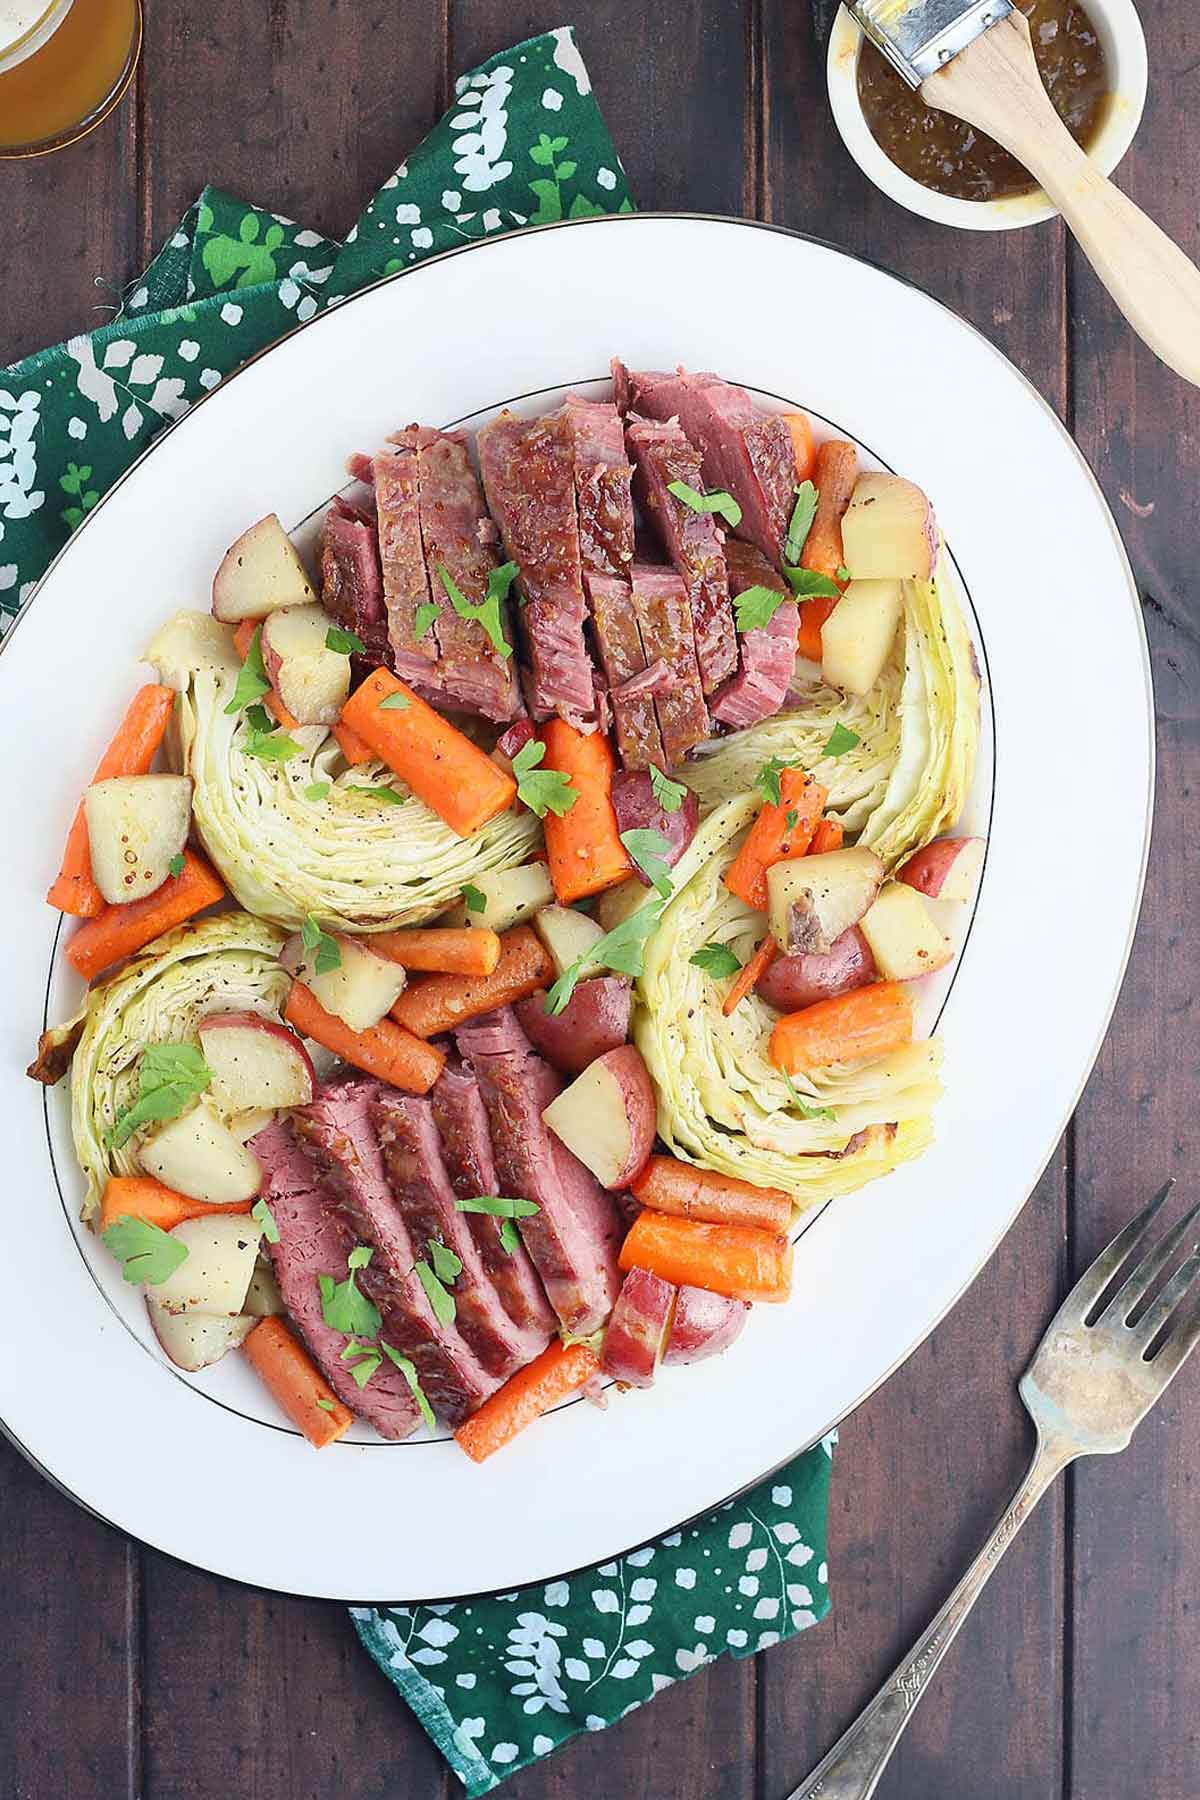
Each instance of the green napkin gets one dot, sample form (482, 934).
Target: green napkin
(496, 1682)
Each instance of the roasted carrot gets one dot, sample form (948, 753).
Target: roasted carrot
(772, 839)
(869, 1021)
(352, 746)
(441, 1002)
(279, 712)
(141, 1197)
(747, 979)
(442, 950)
(800, 426)
(286, 1368)
(453, 776)
(131, 752)
(829, 835)
(836, 474)
(385, 1050)
(121, 930)
(738, 1261)
(583, 847)
(668, 1186)
(243, 636)
(525, 1396)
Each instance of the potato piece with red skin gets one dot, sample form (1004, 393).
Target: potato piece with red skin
(608, 1116)
(255, 1061)
(905, 938)
(259, 573)
(311, 679)
(594, 1021)
(947, 869)
(638, 1328)
(704, 1324)
(793, 982)
(637, 809)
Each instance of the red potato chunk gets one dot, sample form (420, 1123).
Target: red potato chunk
(793, 982)
(638, 1328)
(704, 1324)
(594, 1021)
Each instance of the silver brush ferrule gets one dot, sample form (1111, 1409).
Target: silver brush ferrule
(919, 36)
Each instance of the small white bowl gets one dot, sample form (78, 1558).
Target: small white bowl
(1120, 32)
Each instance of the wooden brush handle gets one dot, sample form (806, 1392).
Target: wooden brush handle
(994, 84)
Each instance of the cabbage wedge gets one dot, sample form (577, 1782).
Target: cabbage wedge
(307, 835)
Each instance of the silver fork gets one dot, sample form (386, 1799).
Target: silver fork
(1093, 1379)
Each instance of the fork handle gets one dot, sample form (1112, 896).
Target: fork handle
(853, 1768)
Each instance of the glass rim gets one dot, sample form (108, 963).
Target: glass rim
(71, 134)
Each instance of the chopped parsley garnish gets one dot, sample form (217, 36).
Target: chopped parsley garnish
(145, 1251)
(717, 960)
(170, 1077)
(265, 742)
(474, 901)
(541, 790)
(440, 1297)
(766, 781)
(343, 1308)
(669, 794)
(842, 573)
(386, 795)
(175, 866)
(800, 523)
(262, 1215)
(423, 618)
(327, 1405)
(368, 1361)
(408, 1369)
(252, 681)
(755, 607)
(346, 643)
(649, 850)
(721, 503)
(328, 951)
(259, 718)
(447, 1264)
(510, 1240)
(498, 1206)
(487, 613)
(804, 1107)
(317, 790)
(806, 584)
(841, 739)
(791, 819)
(623, 949)
(395, 703)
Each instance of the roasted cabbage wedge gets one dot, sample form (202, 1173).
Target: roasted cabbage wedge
(228, 963)
(918, 734)
(356, 861)
(721, 1103)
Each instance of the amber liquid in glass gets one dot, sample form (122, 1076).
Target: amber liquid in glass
(65, 83)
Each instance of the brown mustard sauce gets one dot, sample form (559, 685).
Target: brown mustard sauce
(953, 158)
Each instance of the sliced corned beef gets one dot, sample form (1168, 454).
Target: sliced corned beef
(574, 1237)
(462, 1124)
(662, 455)
(760, 687)
(747, 452)
(623, 659)
(313, 1241)
(337, 1128)
(351, 579)
(529, 476)
(405, 583)
(661, 603)
(412, 1157)
(602, 487)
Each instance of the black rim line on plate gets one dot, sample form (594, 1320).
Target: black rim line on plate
(1132, 594)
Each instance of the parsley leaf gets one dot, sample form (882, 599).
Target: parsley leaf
(623, 949)
(498, 1207)
(756, 606)
(716, 960)
(346, 643)
(721, 503)
(343, 1308)
(800, 523)
(766, 782)
(252, 681)
(475, 901)
(841, 739)
(487, 613)
(541, 790)
(369, 1360)
(447, 1264)
(510, 1240)
(268, 745)
(842, 573)
(262, 1215)
(146, 1252)
(329, 955)
(802, 1106)
(175, 866)
(423, 618)
(317, 791)
(170, 1077)
(260, 718)
(395, 703)
(387, 795)
(669, 794)
(791, 820)
(408, 1369)
(440, 1298)
(806, 584)
(649, 849)
(327, 1405)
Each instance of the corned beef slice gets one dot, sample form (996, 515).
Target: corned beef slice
(747, 452)
(313, 1241)
(602, 480)
(529, 477)
(768, 651)
(661, 603)
(662, 455)
(575, 1236)
(337, 1128)
(412, 1157)
(623, 659)
(462, 1124)
(405, 583)
(351, 580)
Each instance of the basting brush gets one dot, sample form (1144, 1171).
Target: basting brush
(974, 59)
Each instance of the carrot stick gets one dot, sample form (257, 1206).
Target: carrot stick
(869, 1021)
(525, 1396)
(747, 979)
(385, 1050)
(800, 426)
(836, 474)
(141, 1197)
(735, 1260)
(444, 950)
(131, 752)
(441, 1002)
(285, 1367)
(120, 931)
(454, 777)
(279, 712)
(584, 847)
(771, 839)
(667, 1186)
(352, 746)
(243, 636)
(829, 835)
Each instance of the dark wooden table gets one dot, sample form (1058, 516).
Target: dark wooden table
(124, 1673)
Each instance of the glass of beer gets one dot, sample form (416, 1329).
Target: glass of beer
(64, 65)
